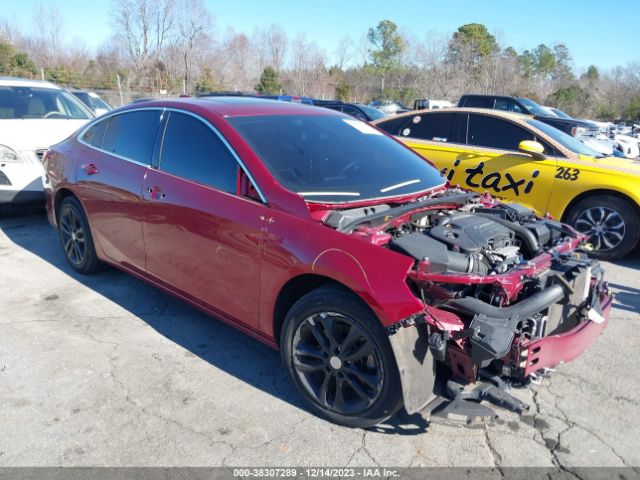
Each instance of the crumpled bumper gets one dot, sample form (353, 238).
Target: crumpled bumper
(547, 352)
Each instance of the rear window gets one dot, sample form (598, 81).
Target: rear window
(29, 102)
(477, 102)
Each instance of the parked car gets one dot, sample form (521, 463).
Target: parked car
(576, 128)
(363, 112)
(390, 107)
(519, 158)
(33, 116)
(281, 98)
(320, 235)
(426, 104)
(93, 101)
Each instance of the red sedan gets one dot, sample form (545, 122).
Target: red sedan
(322, 236)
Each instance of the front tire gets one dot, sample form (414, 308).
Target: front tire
(338, 356)
(612, 223)
(75, 237)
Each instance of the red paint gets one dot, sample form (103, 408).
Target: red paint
(231, 255)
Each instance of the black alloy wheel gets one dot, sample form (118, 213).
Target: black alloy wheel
(75, 237)
(337, 363)
(339, 358)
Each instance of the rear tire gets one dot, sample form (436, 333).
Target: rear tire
(75, 237)
(338, 356)
(612, 223)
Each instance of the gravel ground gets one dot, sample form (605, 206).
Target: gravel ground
(106, 370)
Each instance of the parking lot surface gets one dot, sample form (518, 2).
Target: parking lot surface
(106, 370)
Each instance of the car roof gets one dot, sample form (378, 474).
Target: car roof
(490, 95)
(25, 82)
(518, 118)
(484, 111)
(242, 106)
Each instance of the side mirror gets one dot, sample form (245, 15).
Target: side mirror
(535, 149)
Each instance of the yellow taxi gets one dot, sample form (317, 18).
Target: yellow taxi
(517, 158)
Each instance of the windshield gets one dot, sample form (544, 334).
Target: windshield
(335, 159)
(561, 114)
(374, 113)
(532, 106)
(565, 140)
(93, 101)
(30, 102)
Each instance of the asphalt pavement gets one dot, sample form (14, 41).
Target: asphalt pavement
(106, 370)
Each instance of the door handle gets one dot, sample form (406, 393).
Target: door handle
(155, 192)
(90, 168)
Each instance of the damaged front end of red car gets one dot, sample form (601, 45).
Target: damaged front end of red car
(507, 296)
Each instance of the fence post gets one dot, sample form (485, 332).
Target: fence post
(42, 74)
(119, 89)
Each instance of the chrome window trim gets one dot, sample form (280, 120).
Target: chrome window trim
(106, 116)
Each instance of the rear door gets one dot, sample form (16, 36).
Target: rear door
(110, 174)
(203, 238)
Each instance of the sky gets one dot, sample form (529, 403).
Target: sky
(596, 32)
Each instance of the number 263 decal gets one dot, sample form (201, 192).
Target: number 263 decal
(570, 174)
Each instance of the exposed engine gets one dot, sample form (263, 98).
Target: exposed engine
(499, 285)
(469, 239)
(483, 261)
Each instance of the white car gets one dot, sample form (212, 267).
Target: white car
(33, 116)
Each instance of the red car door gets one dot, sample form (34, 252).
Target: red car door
(200, 237)
(110, 175)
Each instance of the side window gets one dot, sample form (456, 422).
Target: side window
(436, 127)
(507, 104)
(490, 132)
(191, 150)
(132, 134)
(95, 134)
(354, 112)
(394, 126)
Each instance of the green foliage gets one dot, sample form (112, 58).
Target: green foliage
(60, 75)
(570, 99)
(563, 69)
(632, 112)
(592, 73)
(387, 46)
(16, 64)
(527, 63)
(607, 113)
(269, 83)
(544, 60)
(474, 40)
(206, 83)
(343, 91)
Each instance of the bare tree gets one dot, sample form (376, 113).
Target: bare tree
(271, 45)
(194, 26)
(344, 52)
(143, 27)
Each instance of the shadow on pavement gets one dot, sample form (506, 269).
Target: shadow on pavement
(627, 297)
(213, 341)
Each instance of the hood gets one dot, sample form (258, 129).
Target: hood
(565, 121)
(36, 133)
(615, 164)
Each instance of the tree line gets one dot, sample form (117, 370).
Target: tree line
(170, 47)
